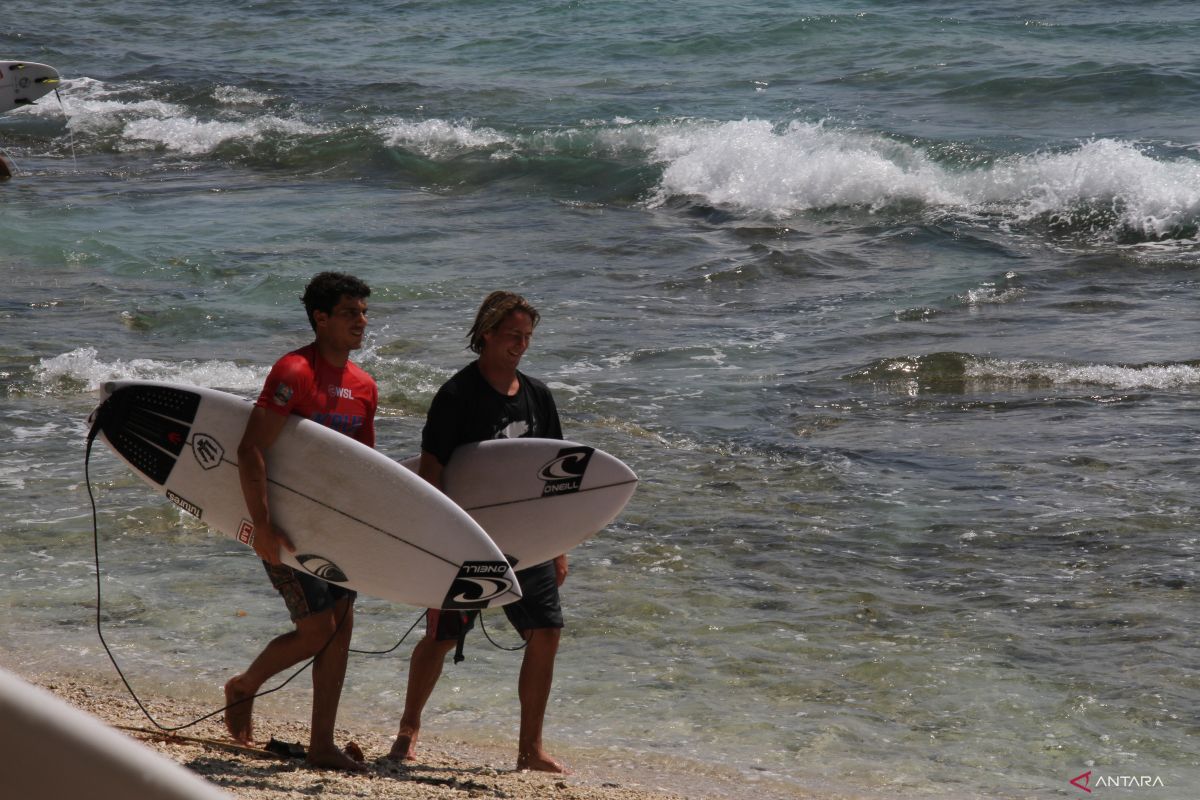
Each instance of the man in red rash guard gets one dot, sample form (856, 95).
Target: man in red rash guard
(318, 382)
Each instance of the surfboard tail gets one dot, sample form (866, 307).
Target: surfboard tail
(147, 425)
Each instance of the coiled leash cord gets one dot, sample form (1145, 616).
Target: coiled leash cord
(70, 138)
(100, 628)
(92, 434)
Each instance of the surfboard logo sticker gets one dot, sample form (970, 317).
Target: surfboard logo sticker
(207, 450)
(187, 505)
(477, 584)
(322, 567)
(283, 394)
(246, 532)
(564, 474)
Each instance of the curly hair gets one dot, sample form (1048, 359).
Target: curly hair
(326, 290)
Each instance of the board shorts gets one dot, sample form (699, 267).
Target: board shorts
(305, 594)
(539, 607)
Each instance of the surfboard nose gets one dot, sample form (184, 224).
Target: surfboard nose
(483, 584)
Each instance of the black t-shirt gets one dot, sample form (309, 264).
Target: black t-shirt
(467, 409)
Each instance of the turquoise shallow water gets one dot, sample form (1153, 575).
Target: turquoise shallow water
(892, 307)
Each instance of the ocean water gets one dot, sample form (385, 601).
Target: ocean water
(892, 306)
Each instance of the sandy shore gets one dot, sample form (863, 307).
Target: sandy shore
(446, 769)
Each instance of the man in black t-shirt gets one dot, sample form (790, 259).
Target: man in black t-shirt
(491, 399)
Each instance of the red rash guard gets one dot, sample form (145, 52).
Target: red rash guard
(344, 398)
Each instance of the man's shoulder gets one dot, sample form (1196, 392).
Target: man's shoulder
(296, 369)
(291, 377)
(466, 380)
(299, 359)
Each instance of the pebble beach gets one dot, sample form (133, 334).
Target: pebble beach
(447, 768)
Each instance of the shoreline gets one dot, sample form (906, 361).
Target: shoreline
(447, 767)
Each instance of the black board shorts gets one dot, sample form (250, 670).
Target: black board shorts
(539, 607)
(305, 594)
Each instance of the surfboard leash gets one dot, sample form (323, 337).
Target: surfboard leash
(97, 423)
(524, 642)
(70, 130)
(392, 649)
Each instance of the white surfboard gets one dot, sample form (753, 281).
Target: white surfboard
(54, 750)
(24, 82)
(356, 517)
(537, 498)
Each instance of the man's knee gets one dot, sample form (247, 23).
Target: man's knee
(317, 629)
(438, 647)
(543, 637)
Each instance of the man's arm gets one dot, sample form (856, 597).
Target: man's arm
(262, 430)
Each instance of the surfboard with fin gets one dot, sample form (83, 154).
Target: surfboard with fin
(23, 83)
(356, 517)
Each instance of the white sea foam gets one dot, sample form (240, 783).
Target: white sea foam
(84, 366)
(191, 136)
(754, 166)
(1112, 376)
(237, 95)
(990, 294)
(1144, 194)
(93, 106)
(438, 138)
(138, 121)
(1104, 187)
(21, 433)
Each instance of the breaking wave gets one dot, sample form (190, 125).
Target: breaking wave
(83, 370)
(1100, 190)
(965, 372)
(1107, 187)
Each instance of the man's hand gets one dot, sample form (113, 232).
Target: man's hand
(267, 541)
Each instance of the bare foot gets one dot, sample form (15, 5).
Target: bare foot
(238, 714)
(540, 762)
(333, 759)
(404, 748)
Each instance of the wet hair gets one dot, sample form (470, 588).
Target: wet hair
(326, 290)
(493, 311)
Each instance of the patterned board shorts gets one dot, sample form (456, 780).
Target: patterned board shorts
(304, 594)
